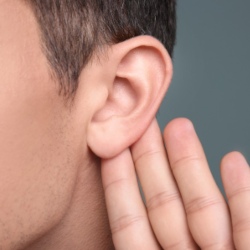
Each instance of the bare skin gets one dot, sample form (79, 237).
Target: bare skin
(51, 191)
(46, 170)
(184, 207)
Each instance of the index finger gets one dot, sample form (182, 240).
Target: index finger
(127, 215)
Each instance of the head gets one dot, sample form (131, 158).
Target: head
(74, 75)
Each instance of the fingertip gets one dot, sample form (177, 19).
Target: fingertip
(177, 127)
(234, 171)
(232, 160)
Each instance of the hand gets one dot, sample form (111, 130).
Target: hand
(184, 207)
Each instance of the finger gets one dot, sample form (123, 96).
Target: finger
(127, 215)
(164, 205)
(236, 180)
(207, 212)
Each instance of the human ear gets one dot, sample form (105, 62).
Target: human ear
(136, 75)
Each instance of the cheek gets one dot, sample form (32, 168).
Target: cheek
(37, 159)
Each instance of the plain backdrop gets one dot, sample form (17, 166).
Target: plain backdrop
(211, 84)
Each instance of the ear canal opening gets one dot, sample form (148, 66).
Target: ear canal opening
(121, 101)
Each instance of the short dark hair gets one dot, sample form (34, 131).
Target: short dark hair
(72, 30)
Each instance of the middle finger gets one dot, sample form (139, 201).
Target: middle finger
(163, 201)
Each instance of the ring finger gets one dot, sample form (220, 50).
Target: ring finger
(207, 212)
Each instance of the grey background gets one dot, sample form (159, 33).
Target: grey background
(211, 83)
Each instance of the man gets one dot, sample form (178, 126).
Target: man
(79, 79)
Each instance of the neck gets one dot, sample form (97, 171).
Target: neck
(85, 225)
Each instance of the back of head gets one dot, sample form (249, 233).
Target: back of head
(72, 30)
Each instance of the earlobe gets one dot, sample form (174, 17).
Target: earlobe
(140, 81)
